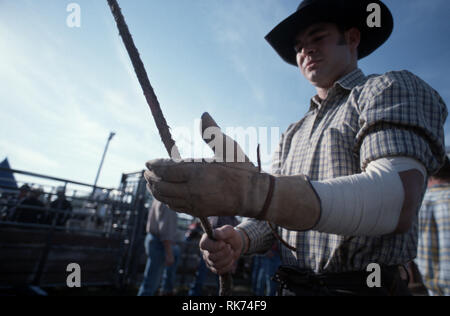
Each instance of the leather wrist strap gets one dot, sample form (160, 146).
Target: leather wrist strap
(262, 215)
(267, 204)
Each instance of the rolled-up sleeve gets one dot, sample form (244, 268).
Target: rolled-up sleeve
(402, 116)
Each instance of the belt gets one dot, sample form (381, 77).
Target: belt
(300, 281)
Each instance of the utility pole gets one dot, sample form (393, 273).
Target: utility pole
(111, 135)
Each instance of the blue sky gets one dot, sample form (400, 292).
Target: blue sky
(62, 89)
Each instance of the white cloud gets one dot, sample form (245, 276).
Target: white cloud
(26, 157)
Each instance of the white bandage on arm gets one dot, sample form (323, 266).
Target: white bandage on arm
(366, 204)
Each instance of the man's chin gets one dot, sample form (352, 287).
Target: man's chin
(314, 77)
(319, 79)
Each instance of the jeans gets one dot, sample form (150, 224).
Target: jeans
(170, 273)
(256, 266)
(154, 269)
(268, 266)
(197, 285)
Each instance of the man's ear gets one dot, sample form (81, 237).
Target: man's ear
(353, 38)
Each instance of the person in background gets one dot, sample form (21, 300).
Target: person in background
(10, 214)
(31, 210)
(159, 246)
(61, 204)
(24, 191)
(194, 231)
(434, 234)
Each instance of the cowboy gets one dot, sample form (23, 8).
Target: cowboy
(434, 234)
(347, 180)
(160, 247)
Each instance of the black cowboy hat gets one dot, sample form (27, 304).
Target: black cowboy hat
(346, 13)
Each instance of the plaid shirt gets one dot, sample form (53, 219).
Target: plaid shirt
(362, 119)
(433, 257)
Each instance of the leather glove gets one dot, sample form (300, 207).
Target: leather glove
(214, 188)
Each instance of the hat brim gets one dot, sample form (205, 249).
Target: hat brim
(352, 13)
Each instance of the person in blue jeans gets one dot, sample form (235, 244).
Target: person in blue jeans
(434, 234)
(159, 246)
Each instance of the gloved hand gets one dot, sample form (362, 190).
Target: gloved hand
(213, 188)
(205, 189)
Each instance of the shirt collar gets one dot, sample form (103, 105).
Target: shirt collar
(347, 82)
(351, 80)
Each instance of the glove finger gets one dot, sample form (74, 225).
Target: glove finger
(207, 122)
(151, 176)
(172, 190)
(169, 170)
(175, 204)
(224, 147)
(165, 189)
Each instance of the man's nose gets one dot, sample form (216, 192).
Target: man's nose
(305, 52)
(308, 51)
